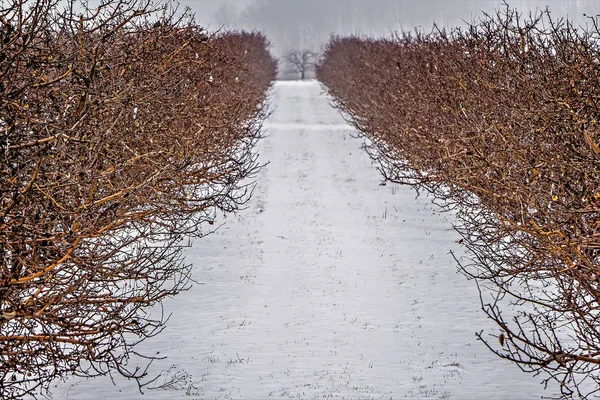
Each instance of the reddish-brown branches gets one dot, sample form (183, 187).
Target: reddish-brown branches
(499, 122)
(121, 130)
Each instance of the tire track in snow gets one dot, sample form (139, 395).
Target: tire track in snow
(327, 286)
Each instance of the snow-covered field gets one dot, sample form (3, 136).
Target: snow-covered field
(327, 286)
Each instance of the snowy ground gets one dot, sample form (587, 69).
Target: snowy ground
(328, 286)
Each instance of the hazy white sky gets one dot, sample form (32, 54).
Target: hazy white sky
(206, 9)
(292, 24)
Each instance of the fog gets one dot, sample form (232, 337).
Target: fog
(307, 24)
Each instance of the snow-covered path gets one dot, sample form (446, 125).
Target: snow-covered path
(328, 286)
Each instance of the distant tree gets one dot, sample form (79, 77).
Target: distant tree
(226, 15)
(300, 61)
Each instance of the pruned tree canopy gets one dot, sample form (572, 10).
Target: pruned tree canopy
(499, 123)
(123, 129)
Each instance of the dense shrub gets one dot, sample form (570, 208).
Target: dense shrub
(500, 123)
(122, 129)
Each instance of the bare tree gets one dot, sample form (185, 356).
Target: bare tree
(300, 61)
(119, 136)
(499, 122)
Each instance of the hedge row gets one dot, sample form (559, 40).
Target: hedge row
(122, 129)
(499, 122)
